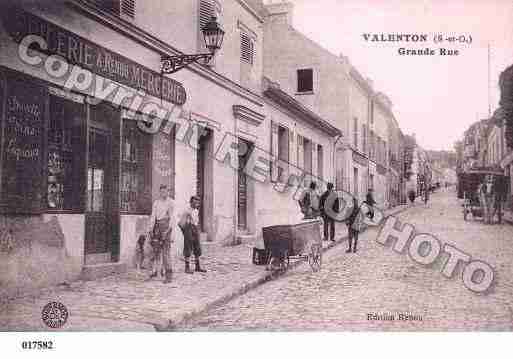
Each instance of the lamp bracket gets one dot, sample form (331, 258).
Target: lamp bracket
(172, 64)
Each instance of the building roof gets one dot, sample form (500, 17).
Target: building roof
(256, 5)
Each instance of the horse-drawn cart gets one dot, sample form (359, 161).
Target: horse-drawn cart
(299, 241)
(483, 190)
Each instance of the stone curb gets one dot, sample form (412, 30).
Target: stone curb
(173, 325)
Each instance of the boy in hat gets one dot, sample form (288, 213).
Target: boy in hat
(188, 223)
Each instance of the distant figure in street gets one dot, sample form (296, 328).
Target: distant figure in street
(329, 222)
(487, 198)
(310, 202)
(188, 223)
(160, 234)
(411, 196)
(369, 200)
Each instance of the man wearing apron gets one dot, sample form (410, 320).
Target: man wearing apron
(161, 225)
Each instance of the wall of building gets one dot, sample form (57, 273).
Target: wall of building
(359, 109)
(380, 128)
(216, 111)
(286, 50)
(275, 206)
(177, 23)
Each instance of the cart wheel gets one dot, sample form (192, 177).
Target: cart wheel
(315, 257)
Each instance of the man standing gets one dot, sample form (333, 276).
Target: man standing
(189, 225)
(329, 223)
(310, 202)
(161, 225)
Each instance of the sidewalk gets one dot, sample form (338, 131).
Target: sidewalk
(508, 216)
(127, 302)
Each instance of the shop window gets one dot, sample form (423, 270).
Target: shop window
(305, 80)
(136, 159)
(23, 113)
(65, 155)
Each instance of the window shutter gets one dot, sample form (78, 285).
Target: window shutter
(247, 48)
(118, 7)
(285, 156)
(320, 162)
(128, 8)
(274, 151)
(300, 154)
(314, 159)
(292, 148)
(207, 9)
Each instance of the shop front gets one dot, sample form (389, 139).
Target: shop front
(75, 163)
(77, 173)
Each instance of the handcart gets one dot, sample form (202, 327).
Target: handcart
(297, 241)
(468, 184)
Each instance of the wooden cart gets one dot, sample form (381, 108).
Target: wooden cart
(297, 241)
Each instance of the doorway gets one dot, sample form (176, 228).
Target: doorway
(204, 168)
(102, 189)
(245, 147)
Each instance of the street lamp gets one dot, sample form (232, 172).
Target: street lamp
(213, 35)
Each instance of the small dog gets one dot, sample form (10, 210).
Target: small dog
(139, 252)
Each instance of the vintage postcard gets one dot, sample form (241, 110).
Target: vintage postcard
(252, 165)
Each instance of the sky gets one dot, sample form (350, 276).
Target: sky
(436, 97)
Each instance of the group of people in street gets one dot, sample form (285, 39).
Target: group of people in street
(162, 222)
(314, 206)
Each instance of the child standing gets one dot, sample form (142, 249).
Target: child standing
(188, 223)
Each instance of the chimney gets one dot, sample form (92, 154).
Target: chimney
(281, 11)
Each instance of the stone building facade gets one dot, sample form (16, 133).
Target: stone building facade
(103, 129)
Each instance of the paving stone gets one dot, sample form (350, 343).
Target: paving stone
(378, 280)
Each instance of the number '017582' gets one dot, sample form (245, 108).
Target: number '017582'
(37, 345)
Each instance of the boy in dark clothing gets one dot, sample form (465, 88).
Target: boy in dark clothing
(189, 225)
(353, 227)
(329, 223)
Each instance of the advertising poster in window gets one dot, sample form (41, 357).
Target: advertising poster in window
(22, 146)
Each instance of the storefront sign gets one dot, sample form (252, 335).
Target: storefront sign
(22, 146)
(97, 59)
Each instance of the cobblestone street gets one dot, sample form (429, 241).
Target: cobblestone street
(378, 280)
